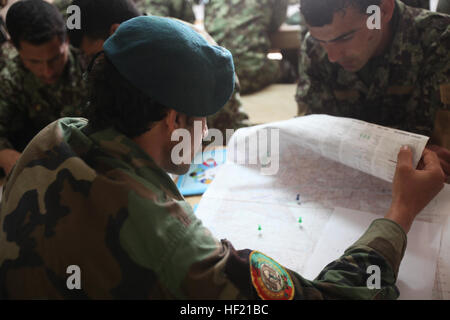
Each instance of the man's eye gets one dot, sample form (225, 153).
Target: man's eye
(346, 38)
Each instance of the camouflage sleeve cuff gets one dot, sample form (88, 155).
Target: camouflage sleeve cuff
(387, 238)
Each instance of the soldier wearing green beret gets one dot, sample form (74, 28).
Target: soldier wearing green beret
(42, 79)
(396, 75)
(96, 28)
(94, 195)
(243, 27)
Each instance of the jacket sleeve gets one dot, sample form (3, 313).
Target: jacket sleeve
(190, 263)
(382, 245)
(210, 269)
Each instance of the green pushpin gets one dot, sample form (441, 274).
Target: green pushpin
(259, 231)
(300, 220)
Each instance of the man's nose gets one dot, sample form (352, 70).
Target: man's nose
(334, 52)
(48, 71)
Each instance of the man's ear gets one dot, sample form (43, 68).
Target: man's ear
(387, 10)
(113, 28)
(173, 121)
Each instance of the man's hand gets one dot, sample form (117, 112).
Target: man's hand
(444, 158)
(414, 189)
(8, 158)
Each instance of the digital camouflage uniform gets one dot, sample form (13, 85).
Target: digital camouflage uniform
(403, 88)
(27, 105)
(180, 9)
(243, 27)
(98, 201)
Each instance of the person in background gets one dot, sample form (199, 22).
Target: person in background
(41, 81)
(243, 27)
(396, 76)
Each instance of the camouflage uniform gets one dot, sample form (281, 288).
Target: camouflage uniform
(96, 200)
(180, 9)
(400, 88)
(243, 27)
(27, 105)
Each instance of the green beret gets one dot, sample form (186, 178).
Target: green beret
(173, 64)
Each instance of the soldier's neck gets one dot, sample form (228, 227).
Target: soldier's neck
(386, 40)
(388, 33)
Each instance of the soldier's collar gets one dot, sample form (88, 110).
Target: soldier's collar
(118, 146)
(404, 30)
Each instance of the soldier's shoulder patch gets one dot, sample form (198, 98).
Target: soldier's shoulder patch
(270, 279)
(445, 93)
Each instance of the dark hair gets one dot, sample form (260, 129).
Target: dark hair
(114, 102)
(97, 16)
(318, 13)
(34, 21)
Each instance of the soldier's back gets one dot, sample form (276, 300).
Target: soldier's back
(243, 27)
(180, 9)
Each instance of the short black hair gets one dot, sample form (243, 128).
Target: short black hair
(34, 21)
(114, 102)
(318, 13)
(97, 16)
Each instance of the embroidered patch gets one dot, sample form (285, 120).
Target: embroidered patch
(270, 279)
(445, 93)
